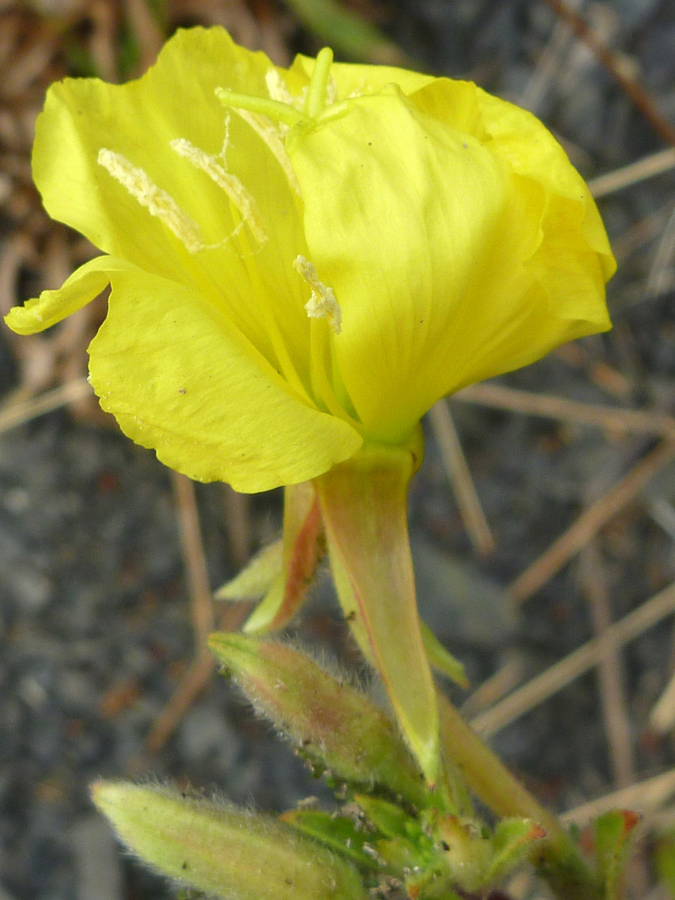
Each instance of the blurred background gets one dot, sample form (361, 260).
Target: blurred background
(543, 518)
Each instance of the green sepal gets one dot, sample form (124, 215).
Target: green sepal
(303, 546)
(364, 508)
(441, 659)
(282, 573)
(257, 577)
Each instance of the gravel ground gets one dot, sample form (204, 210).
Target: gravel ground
(95, 628)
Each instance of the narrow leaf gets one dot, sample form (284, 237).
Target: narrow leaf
(441, 659)
(340, 833)
(256, 578)
(512, 841)
(613, 832)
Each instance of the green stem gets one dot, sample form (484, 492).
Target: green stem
(557, 858)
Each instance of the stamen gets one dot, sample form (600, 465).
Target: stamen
(235, 190)
(322, 304)
(153, 198)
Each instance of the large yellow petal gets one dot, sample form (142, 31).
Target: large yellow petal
(439, 254)
(400, 212)
(52, 306)
(201, 242)
(183, 381)
(524, 143)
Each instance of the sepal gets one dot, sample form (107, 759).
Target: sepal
(256, 579)
(283, 572)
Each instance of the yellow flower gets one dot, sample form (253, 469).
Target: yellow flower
(302, 262)
(281, 293)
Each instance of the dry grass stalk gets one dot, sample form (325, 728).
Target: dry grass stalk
(581, 660)
(610, 671)
(16, 414)
(645, 797)
(504, 680)
(237, 509)
(460, 478)
(617, 421)
(627, 176)
(589, 522)
(617, 68)
(201, 602)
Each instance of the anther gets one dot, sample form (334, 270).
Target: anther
(322, 304)
(157, 201)
(235, 190)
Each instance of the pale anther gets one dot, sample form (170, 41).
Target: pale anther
(229, 183)
(272, 137)
(156, 200)
(322, 304)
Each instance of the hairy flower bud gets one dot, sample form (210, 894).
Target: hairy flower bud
(224, 850)
(334, 724)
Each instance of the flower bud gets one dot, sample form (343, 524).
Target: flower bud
(335, 724)
(223, 850)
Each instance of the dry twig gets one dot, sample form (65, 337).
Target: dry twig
(562, 673)
(460, 478)
(589, 523)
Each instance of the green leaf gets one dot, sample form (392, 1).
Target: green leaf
(347, 32)
(389, 818)
(511, 842)
(341, 833)
(612, 842)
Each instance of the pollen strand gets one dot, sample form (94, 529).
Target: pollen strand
(271, 136)
(153, 198)
(235, 190)
(278, 90)
(322, 304)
